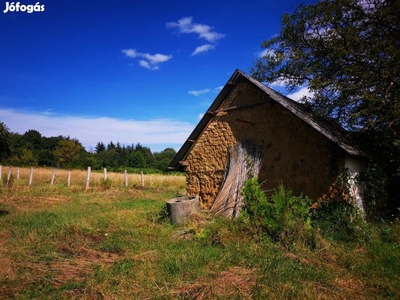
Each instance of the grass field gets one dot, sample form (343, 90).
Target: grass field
(113, 242)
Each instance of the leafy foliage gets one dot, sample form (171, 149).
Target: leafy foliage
(336, 215)
(347, 53)
(4, 142)
(67, 152)
(288, 219)
(375, 193)
(338, 220)
(284, 217)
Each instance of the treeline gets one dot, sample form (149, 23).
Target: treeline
(33, 149)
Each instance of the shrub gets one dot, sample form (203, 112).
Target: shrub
(284, 217)
(106, 184)
(335, 213)
(338, 220)
(375, 194)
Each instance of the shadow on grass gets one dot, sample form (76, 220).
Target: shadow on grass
(3, 213)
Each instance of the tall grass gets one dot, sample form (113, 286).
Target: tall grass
(42, 179)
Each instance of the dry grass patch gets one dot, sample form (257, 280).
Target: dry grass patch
(6, 262)
(79, 268)
(42, 178)
(233, 283)
(27, 204)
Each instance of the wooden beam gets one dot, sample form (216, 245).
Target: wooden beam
(236, 107)
(184, 163)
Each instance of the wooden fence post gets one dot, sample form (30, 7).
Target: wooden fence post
(69, 177)
(18, 174)
(31, 176)
(105, 174)
(142, 178)
(9, 175)
(53, 176)
(88, 178)
(126, 178)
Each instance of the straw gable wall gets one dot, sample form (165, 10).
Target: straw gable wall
(295, 154)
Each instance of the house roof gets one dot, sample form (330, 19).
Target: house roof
(296, 108)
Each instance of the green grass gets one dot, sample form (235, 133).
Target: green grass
(60, 243)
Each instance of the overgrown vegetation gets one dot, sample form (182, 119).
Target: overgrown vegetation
(67, 243)
(282, 217)
(336, 214)
(289, 219)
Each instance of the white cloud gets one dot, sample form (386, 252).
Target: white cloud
(156, 134)
(304, 91)
(157, 58)
(265, 52)
(149, 61)
(146, 65)
(199, 92)
(130, 53)
(279, 83)
(202, 48)
(185, 25)
(200, 116)
(205, 91)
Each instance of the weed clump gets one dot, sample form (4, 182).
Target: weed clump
(336, 215)
(283, 217)
(288, 219)
(106, 184)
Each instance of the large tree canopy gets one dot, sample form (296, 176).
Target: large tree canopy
(348, 53)
(67, 152)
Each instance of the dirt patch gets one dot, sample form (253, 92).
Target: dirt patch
(228, 284)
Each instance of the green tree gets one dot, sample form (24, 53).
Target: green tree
(163, 158)
(100, 147)
(348, 53)
(67, 152)
(46, 153)
(111, 159)
(27, 158)
(5, 149)
(32, 139)
(110, 146)
(137, 160)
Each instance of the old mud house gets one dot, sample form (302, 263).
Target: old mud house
(303, 154)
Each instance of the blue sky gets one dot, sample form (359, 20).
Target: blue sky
(126, 71)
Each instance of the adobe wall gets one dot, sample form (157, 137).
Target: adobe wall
(295, 154)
